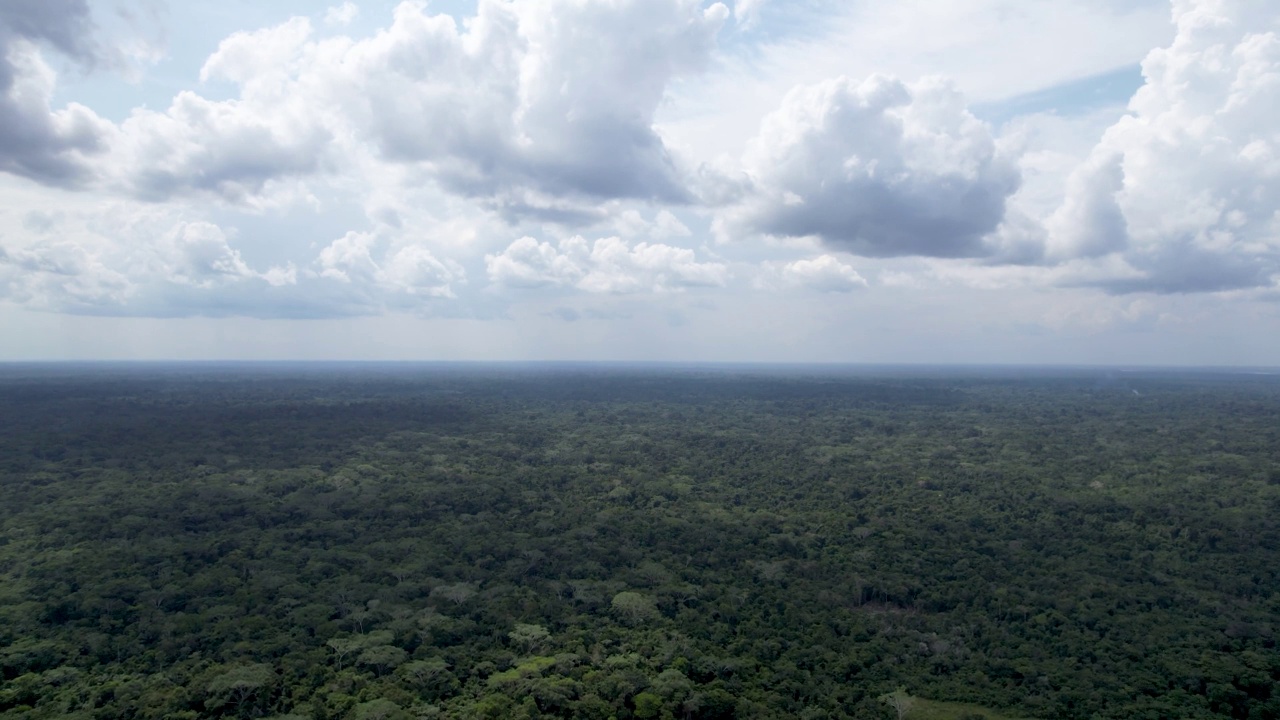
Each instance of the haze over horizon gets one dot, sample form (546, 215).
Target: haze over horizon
(972, 182)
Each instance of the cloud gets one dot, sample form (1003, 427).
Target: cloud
(132, 261)
(197, 254)
(1180, 196)
(342, 14)
(879, 169)
(824, 273)
(665, 224)
(501, 109)
(146, 260)
(508, 110)
(747, 12)
(37, 142)
(59, 276)
(240, 151)
(407, 271)
(609, 265)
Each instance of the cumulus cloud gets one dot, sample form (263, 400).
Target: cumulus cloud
(140, 260)
(410, 270)
(237, 150)
(342, 14)
(504, 108)
(609, 265)
(824, 273)
(876, 168)
(60, 276)
(508, 109)
(132, 261)
(36, 141)
(1181, 194)
(198, 254)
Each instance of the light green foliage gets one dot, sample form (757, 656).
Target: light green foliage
(383, 657)
(423, 672)
(900, 701)
(647, 705)
(379, 709)
(633, 607)
(239, 685)
(527, 668)
(529, 637)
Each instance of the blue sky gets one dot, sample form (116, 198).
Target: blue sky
(975, 181)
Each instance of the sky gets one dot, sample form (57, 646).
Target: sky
(872, 181)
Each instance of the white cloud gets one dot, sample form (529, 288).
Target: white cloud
(664, 225)
(241, 151)
(342, 14)
(1048, 148)
(509, 112)
(991, 49)
(667, 225)
(877, 168)
(609, 265)
(59, 276)
(197, 254)
(502, 109)
(437, 139)
(104, 263)
(747, 12)
(410, 270)
(824, 273)
(130, 259)
(1090, 223)
(1182, 194)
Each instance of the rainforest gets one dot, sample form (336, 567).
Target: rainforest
(395, 541)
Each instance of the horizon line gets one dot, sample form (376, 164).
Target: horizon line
(831, 364)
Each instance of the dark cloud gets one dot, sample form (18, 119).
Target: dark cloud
(558, 211)
(64, 24)
(1181, 269)
(35, 141)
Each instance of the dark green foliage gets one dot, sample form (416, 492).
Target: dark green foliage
(405, 542)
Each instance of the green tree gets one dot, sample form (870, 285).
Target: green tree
(647, 705)
(900, 701)
(633, 607)
(379, 709)
(529, 638)
(243, 686)
(383, 658)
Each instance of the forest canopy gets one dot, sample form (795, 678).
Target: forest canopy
(409, 541)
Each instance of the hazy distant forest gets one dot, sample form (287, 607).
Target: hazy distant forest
(393, 542)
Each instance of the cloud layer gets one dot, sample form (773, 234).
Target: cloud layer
(609, 265)
(430, 160)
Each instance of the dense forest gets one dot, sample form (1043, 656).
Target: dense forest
(393, 542)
